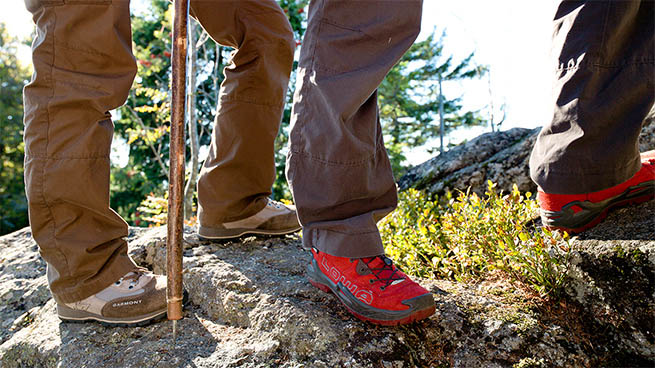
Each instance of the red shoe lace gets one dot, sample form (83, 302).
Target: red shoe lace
(386, 273)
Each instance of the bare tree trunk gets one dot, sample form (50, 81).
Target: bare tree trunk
(190, 187)
(441, 121)
(491, 104)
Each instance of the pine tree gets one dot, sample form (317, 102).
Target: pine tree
(411, 99)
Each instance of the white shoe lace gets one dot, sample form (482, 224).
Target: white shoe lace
(275, 204)
(133, 278)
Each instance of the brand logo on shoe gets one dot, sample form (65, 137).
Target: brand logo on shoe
(126, 303)
(365, 296)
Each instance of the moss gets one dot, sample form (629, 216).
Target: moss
(638, 257)
(524, 321)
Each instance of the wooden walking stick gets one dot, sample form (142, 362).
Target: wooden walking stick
(174, 293)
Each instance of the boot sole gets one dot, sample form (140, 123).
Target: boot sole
(221, 234)
(68, 315)
(593, 213)
(420, 307)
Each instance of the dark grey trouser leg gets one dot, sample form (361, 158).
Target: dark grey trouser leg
(604, 88)
(338, 167)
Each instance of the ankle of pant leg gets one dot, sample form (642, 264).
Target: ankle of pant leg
(113, 271)
(349, 245)
(214, 218)
(553, 181)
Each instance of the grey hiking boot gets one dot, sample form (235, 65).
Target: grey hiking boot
(275, 219)
(136, 299)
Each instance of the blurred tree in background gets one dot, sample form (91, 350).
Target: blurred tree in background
(410, 99)
(13, 76)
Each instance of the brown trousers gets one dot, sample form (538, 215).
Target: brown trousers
(604, 88)
(337, 166)
(83, 68)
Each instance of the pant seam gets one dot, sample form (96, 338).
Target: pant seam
(47, 143)
(306, 76)
(349, 233)
(77, 83)
(318, 33)
(69, 158)
(331, 162)
(232, 99)
(604, 33)
(73, 48)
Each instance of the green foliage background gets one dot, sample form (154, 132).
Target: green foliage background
(13, 76)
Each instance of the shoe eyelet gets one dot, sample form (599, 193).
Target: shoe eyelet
(371, 281)
(382, 288)
(131, 287)
(117, 283)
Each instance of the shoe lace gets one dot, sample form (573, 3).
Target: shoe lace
(275, 204)
(133, 277)
(384, 270)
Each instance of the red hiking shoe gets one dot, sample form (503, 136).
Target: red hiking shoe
(372, 289)
(575, 213)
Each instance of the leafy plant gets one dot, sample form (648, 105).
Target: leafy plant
(471, 236)
(155, 209)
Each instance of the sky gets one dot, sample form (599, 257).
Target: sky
(512, 37)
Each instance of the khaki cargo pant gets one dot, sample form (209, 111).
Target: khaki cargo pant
(604, 88)
(83, 68)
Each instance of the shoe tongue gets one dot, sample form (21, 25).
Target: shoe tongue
(133, 275)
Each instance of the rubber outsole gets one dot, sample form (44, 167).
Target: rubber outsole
(106, 323)
(237, 233)
(600, 216)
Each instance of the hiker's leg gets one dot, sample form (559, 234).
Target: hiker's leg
(338, 167)
(604, 87)
(83, 68)
(237, 176)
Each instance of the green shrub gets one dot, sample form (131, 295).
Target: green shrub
(154, 210)
(470, 236)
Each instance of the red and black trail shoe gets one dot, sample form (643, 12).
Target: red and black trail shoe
(575, 213)
(372, 289)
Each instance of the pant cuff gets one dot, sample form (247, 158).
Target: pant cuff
(111, 272)
(359, 245)
(556, 182)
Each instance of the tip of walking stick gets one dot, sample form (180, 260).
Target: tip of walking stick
(174, 332)
(174, 314)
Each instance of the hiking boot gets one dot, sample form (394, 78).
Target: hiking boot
(275, 219)
(136, 299)
(372, 289)
(575, 213)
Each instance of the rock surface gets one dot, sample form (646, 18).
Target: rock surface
(251, 306)
(502, 157)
